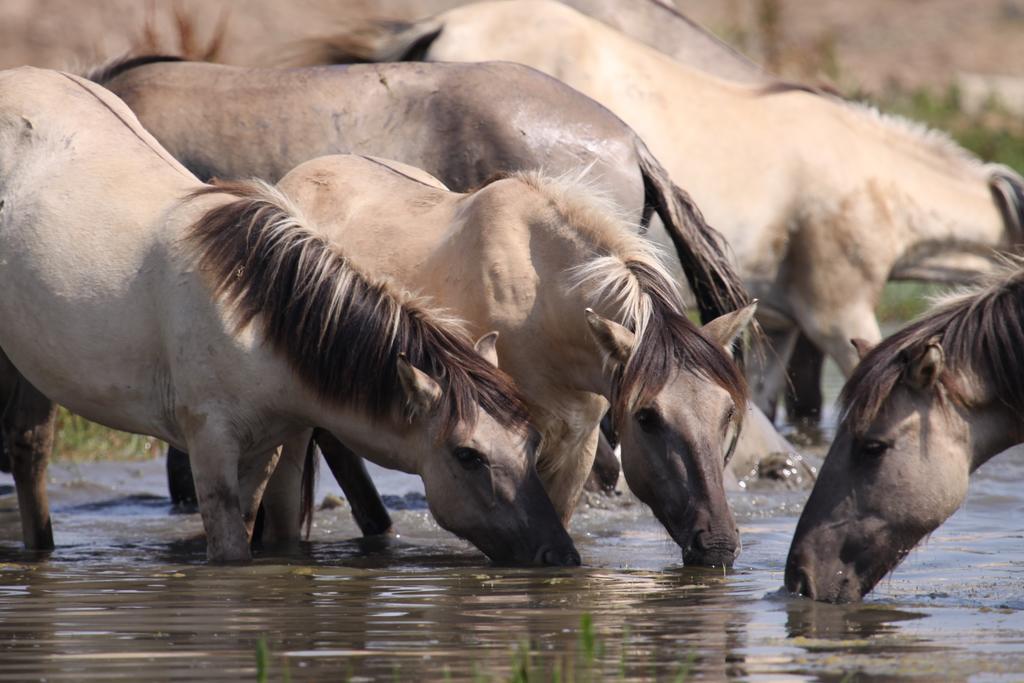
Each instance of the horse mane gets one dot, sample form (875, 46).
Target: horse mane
(626, 273)
(936, 141)
(105, 73)
(340, 330)
(980, 330)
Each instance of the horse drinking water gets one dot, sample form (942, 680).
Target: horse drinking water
(587, 317)
(921, 412)
(219, 320)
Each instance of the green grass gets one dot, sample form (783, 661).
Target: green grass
(903, 301)
(584, 663)
(79, 440)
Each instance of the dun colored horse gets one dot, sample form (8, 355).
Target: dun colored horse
(218, 319)
(586, 317)
(822, 200)
(921, 412)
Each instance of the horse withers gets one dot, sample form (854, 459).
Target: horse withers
(245, 329)
(923, 410)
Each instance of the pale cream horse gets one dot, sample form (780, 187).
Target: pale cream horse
(219, 320)
(822, 200)
(586, 316)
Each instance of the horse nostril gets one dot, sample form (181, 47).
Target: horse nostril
(561, 558)
(801, 583)
(558, 556)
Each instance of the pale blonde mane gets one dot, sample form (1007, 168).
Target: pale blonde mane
(922, 141)
(609, 279)
(921, 136)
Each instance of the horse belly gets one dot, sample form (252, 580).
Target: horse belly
(82, 332)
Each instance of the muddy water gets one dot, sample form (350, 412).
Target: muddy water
(127, 596)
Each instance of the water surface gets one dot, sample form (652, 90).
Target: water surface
(127, 596)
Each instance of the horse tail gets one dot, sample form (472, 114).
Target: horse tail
(1008, 188)
(374, 41)
(703, 252)
(307, 498)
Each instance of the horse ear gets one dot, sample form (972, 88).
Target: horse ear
(726, 328)
(487, 346)
(863, 347)
(421, 392)
(615, 341)
(924, 371)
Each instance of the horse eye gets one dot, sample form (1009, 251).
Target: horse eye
(469, 458)
(648, 419)
(874, 448)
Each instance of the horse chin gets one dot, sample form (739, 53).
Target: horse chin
(554, 555)
(716, 557)
(840, 582)
(841, 586)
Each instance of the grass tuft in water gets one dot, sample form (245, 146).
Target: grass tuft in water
(262, 660)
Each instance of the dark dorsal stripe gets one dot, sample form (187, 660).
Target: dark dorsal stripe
(340, 330)
(111, 70)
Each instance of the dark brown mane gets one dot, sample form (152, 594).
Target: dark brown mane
(783, 87)
(670, 340)
(982, 333)
(341, 330)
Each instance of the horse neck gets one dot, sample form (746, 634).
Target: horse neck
(992, 429)
(563, 303)
(382, 441)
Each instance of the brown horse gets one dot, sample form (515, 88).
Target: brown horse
(921, 412)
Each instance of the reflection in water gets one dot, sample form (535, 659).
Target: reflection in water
(822, 621)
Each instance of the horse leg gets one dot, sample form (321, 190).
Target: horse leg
(179, 477)
(28, 427)
(803, 395)
(564, 483)
(215, 459)
(254, 473)
(766, 371)
(350, 471)
(5, 460)
(604, 476)
(282, 502)
(832, 335)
